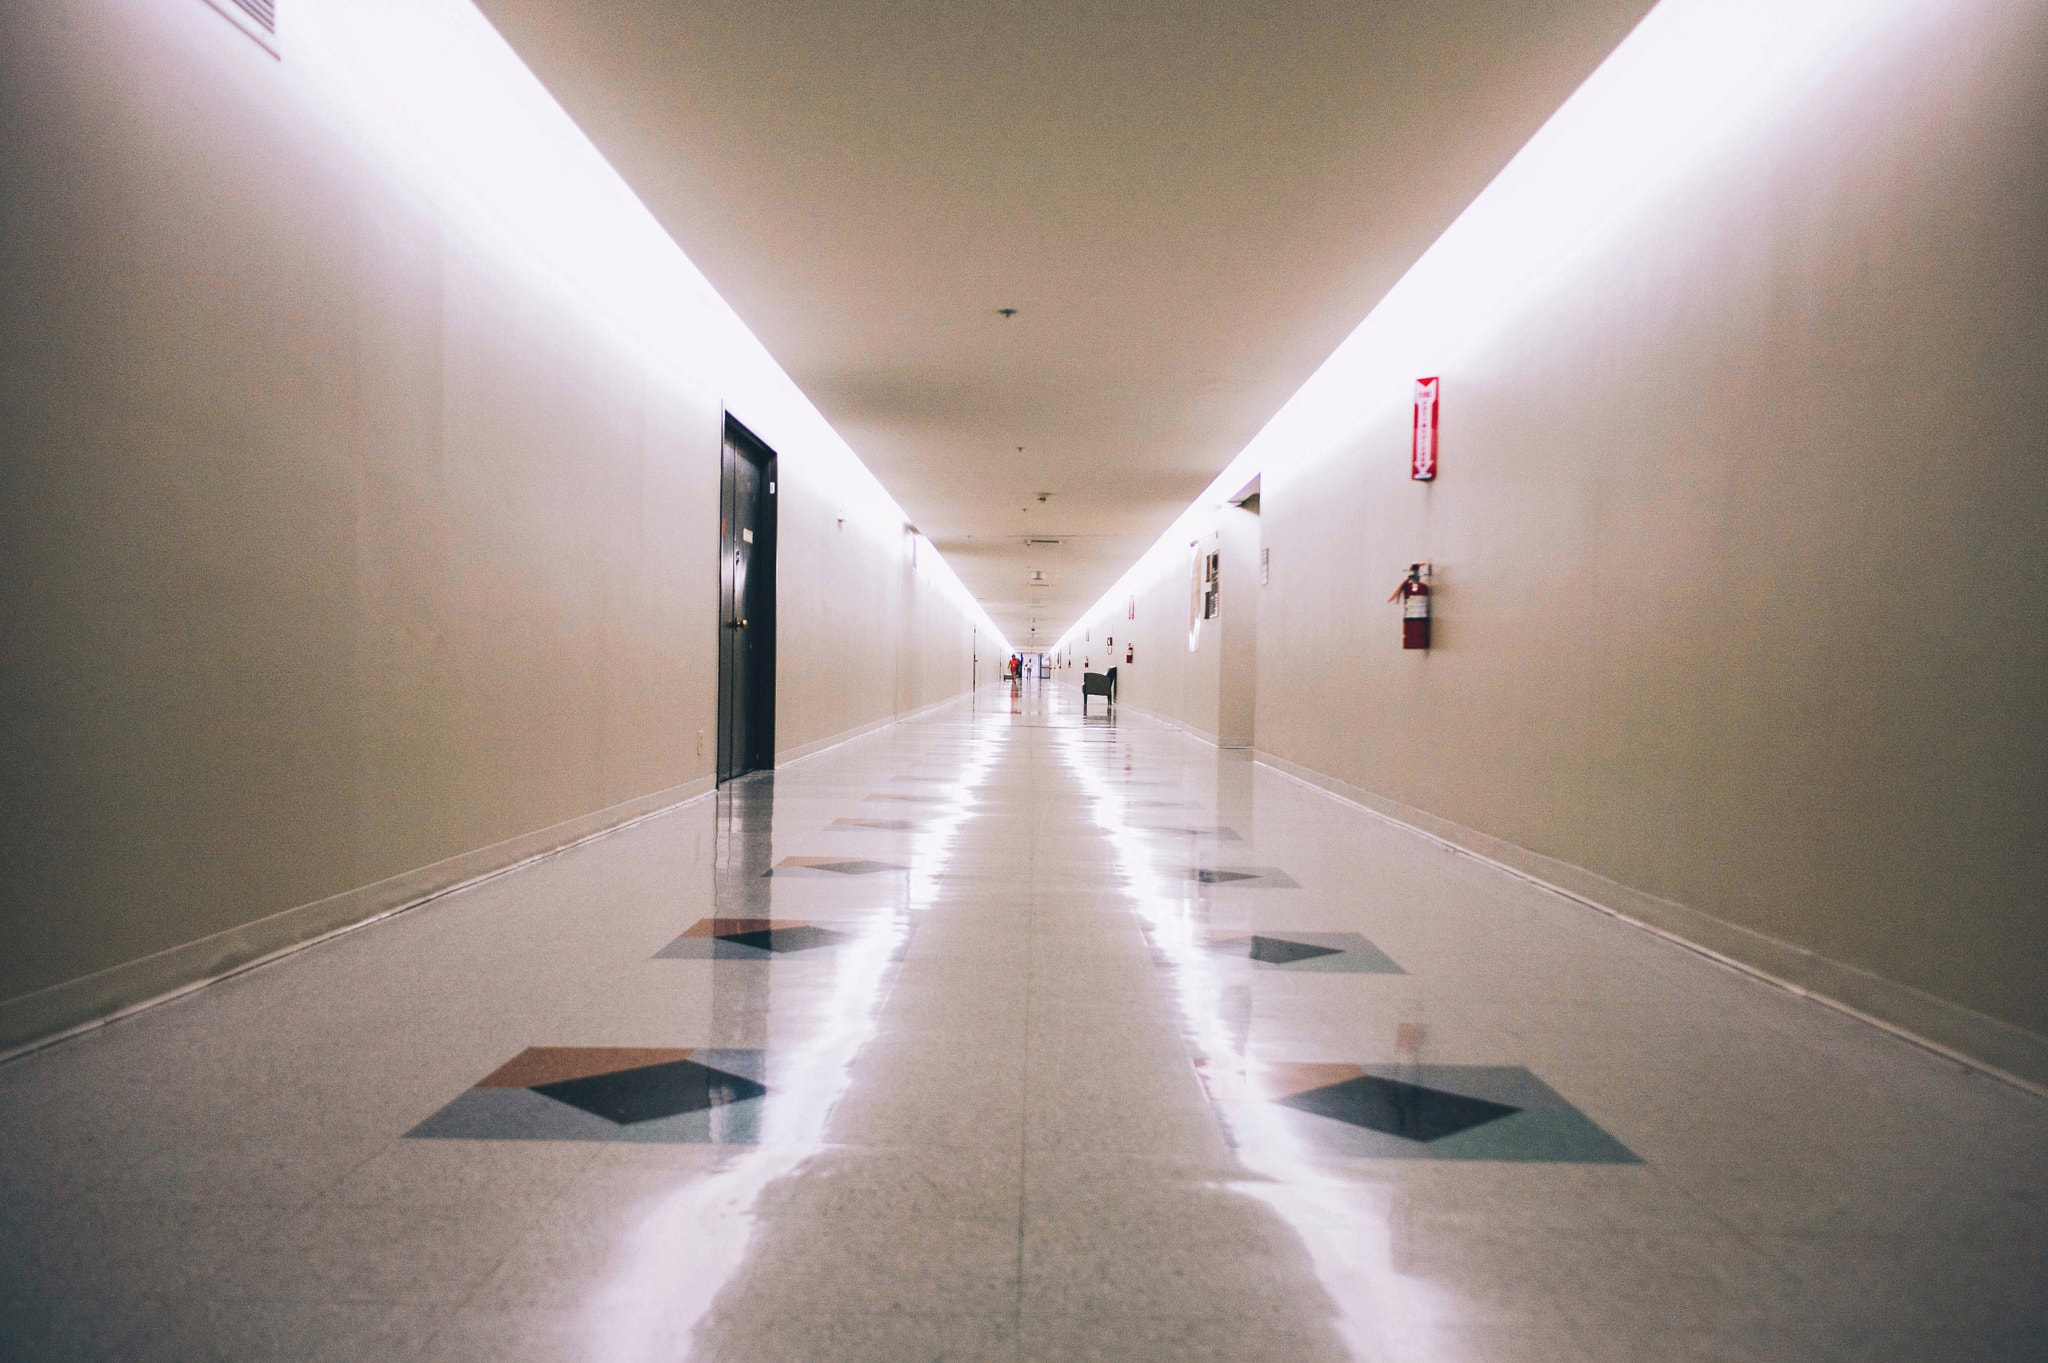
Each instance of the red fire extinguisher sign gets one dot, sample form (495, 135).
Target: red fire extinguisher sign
(1422, 468)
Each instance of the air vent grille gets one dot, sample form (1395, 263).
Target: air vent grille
(257, 19)
(264, 12)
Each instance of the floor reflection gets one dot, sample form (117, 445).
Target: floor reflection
(685, 1249)
(743, 846)
(1348, 1225)
(1001, 1074)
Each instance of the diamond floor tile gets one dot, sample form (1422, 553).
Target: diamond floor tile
(1411, 1111)
(639, 1095)
(1281, 951)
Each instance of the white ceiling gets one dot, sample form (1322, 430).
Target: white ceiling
(1189, 205)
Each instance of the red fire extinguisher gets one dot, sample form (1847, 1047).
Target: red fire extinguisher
(1413, 594)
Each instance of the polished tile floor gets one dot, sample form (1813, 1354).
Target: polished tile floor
(1012, 1034)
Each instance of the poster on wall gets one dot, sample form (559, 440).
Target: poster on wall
(1422, 467)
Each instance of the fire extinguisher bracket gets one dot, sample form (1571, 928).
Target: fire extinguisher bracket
(1413, 594)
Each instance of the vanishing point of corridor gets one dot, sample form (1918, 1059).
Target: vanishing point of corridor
(1012, 1032)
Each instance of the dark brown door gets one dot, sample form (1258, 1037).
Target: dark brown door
(746, 604)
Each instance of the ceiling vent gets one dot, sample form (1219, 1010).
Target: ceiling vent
(257, 18)
(1045, 541)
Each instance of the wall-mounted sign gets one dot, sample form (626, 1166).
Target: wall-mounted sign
(1423, 467)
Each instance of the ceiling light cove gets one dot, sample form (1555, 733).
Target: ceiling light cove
(846, 180)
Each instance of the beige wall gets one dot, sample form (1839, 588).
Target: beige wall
(1237, 626)
(1739, 539)
(1166, 678)
(864, 632)
(1209, 689)
(339, 537)
(1739, 546)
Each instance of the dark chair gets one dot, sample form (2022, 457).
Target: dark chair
(1101, 684)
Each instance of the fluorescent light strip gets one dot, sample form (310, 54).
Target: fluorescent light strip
(1693, 78)
(432, 96)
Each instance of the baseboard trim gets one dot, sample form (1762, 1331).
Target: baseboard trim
(1999, 1049)
(791, 756)
(1168, 721)
(1191, 730)
(32, 1021)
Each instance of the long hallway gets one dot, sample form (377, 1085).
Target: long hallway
(1012, 1032)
